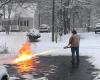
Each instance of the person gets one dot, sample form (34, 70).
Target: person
(74, 42)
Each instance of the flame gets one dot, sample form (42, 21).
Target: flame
(25, 53)
(25, 62)
(24, 66)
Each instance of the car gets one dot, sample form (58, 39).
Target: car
(3, 73)
(33, 34)
(44, 28)
(97, 29)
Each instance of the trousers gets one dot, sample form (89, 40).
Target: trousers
(75, 50)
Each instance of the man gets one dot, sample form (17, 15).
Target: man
(74, 42)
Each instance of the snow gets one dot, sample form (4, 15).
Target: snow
(12, 42)
(89, 46)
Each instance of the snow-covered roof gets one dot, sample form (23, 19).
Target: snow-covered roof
(27, 10)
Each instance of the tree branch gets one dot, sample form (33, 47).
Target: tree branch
(5, 2)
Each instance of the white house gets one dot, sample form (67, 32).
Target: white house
(21, 17)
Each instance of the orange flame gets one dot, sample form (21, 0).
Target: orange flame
(24, 66)
(25, 53)
(24, 60)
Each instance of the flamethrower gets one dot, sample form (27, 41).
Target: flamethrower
(25, 52)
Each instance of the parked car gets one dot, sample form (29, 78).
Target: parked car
(44, 28)
(33, 34)
(3, 73)
(97, 29)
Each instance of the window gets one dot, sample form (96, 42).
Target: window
(0, 23)
(27, 23)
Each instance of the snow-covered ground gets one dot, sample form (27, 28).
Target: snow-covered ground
(89, 46)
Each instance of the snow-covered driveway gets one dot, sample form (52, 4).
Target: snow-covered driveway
(89, 45)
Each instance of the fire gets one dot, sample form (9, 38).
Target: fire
(25, 62)
(24, 66)
(25, 53)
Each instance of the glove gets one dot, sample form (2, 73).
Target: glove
(65, 47)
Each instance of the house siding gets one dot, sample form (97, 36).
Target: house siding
(20, 24)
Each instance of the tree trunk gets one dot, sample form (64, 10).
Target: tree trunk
(9, 13)
(53, 20)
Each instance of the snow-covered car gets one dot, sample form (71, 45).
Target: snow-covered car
(44, 28)
(33, 34)
(97, 29)
(3, 73)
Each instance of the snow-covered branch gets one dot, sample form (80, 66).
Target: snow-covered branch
(4, 2)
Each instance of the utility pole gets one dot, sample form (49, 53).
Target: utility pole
(66, 17)
(61, 18)
(53, 19)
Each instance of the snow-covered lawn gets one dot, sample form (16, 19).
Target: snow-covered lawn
(12, 42)
(89, 46)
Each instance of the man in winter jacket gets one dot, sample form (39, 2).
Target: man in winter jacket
(74, 42)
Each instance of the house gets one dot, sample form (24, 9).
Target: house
(21, 18)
